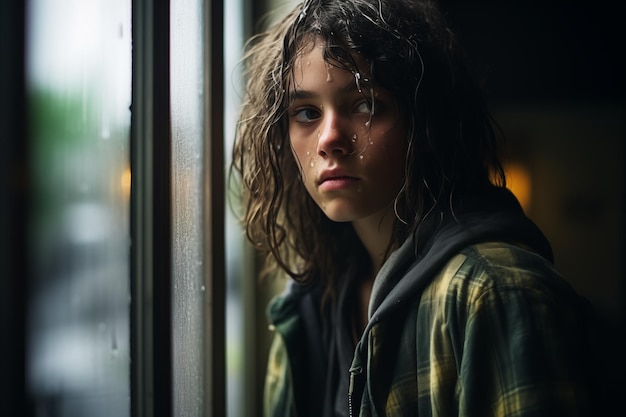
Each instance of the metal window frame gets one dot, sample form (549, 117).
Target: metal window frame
(151, 213)
(14, 168)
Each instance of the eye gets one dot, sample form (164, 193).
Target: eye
(365, 107)
(305, 115)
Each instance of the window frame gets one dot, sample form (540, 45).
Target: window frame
(152, 281)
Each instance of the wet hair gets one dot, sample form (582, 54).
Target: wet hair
(410, 51)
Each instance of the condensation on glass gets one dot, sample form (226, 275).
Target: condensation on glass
(189, 292)
(79, 93)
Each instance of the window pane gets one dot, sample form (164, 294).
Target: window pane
(79, 88)
(240, 371)
(187, 104)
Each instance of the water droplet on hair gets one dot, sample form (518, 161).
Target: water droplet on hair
(357, 80)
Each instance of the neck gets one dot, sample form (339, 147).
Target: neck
(375, 234)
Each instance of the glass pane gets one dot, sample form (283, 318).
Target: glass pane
(238, 369)
(187, 104)
(79, 89)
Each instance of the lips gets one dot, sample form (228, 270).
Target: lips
(334, 175)
(335, 180)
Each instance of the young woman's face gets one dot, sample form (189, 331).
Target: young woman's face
(351, 151)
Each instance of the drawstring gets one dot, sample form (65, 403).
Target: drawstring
(356, 382)
(354, 372)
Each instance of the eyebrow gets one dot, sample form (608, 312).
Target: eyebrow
(306, 94)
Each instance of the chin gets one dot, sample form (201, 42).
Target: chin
(341, 215)
(338, 216)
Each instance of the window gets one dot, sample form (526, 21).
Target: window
(114, 219)
(78, 91)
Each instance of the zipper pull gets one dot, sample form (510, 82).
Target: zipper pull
(353, 374)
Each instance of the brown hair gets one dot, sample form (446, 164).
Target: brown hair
(452, 146)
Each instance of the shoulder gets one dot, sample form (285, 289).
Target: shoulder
(496, 272)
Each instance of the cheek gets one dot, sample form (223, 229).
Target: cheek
(303, 151)
(303, 157)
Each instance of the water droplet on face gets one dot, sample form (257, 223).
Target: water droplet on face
(354, 138)
(361, 157)
(308, 153)
(367, 124)
(312, 164)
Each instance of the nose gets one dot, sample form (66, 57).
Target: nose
(332, 138)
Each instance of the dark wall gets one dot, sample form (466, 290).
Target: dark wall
(554, 77)
(544, 50)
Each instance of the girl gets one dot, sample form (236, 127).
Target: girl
(370, 176)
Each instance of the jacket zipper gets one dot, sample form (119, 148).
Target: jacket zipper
(353, 374)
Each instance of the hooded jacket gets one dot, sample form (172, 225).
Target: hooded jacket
(467, 318)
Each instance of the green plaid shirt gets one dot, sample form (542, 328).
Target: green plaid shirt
(497, 332)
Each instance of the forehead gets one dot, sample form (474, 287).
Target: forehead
(314, 54)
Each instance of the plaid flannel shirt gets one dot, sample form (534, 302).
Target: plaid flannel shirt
(497, 332)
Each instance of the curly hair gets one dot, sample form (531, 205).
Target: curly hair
(410, 50)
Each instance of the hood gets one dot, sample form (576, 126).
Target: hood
(494, 216)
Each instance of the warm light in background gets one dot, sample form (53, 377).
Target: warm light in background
(518, 181)
(126, 182)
